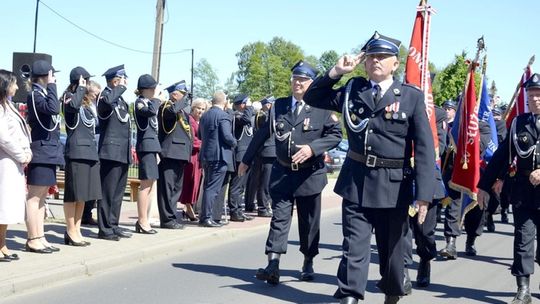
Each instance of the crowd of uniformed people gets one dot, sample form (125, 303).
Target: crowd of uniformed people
(268, 157)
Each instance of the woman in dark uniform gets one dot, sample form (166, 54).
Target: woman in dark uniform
(82, 161)
(43, 118)
(146, 109)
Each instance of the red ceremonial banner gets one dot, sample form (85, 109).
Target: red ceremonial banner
(466, 173)
(417, 65)
(520, 105)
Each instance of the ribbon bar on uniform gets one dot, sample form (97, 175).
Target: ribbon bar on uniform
(373, 161)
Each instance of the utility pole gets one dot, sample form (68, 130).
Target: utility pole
(36, 24)
(158, 34)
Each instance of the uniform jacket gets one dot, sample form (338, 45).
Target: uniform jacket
(526, 137)
(43, 106)
(175, 134)
(386, 136)
(81, 142)
(215, 134)
(269, 147)
(243, 131)
(314, 127)
(146, 111)
(115, 126)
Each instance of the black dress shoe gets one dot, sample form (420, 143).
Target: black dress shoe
(391, 299)
(247, 217)
(209, 224)
(523, 295)
(237, 218)
(424, 273)
(173, 225)
(307, 273)
(490, 225)
(69, 241)
(11, 257)
(122, 234)
(450, 251)
(139, 229)
(270, 274)
(108, 237)
(40, 250)
(348, 300)
(4, 259)
(264, 213)
(221, 223)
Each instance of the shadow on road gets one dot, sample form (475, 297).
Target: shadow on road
(454, 292)
(282, 291)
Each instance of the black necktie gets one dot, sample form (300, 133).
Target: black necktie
(376, 93)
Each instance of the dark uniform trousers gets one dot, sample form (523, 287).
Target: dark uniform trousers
(171, 177)
(236, 189)
(309, 215)
(258, 184)
(474, 220)
(424, 236)
(214, 176)
(390, 228)
(113, 175)
(525, 222)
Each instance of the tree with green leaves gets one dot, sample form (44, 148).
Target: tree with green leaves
(206, 81)
(450, 81)
(264, 68)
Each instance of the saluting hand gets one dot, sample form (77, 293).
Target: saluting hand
(242, 169)
(50, 77)
(346, 64)
(82, 82)
(482, 198)
(302, 155)
(534, 178)
(422, 211)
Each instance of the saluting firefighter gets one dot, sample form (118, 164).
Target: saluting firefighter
(176, 143)
(82, 182)
(302, 134)
(44, 122)
(383, 118)
(114, 152)
(147, 147)
(521, 145)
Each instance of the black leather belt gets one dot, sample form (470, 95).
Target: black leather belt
(296, 167)
(373, 161)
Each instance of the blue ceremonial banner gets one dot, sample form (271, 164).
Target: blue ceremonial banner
(484, 114)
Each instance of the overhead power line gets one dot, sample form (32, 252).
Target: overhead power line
(108, 41)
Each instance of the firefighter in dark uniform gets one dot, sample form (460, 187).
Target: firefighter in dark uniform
(383, 119)
(47, 150)
(302, 134)
(176, 143)
(114, 152)
(424, 234)
(522, 144)
(243, 131)
(147, 148)
(259, 175)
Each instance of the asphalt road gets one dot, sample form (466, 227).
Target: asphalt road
(223, 272)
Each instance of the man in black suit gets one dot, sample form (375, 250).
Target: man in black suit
(216, 153)
(384, 117)
(176, 139)
(114, 152)
(302, 134)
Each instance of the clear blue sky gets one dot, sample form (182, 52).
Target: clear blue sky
(217, 30)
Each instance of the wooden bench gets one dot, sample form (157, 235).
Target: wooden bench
(133, 183)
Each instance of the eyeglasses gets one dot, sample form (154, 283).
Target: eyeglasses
(300, 79)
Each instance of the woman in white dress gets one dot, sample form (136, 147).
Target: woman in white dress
(15, 154)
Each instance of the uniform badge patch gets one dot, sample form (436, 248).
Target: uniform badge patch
(361, 110)
(396, 91)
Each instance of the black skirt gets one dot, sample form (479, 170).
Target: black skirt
(41, 175)
(82, 181)
(148, 167)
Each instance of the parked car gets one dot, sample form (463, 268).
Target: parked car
(336, 157)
